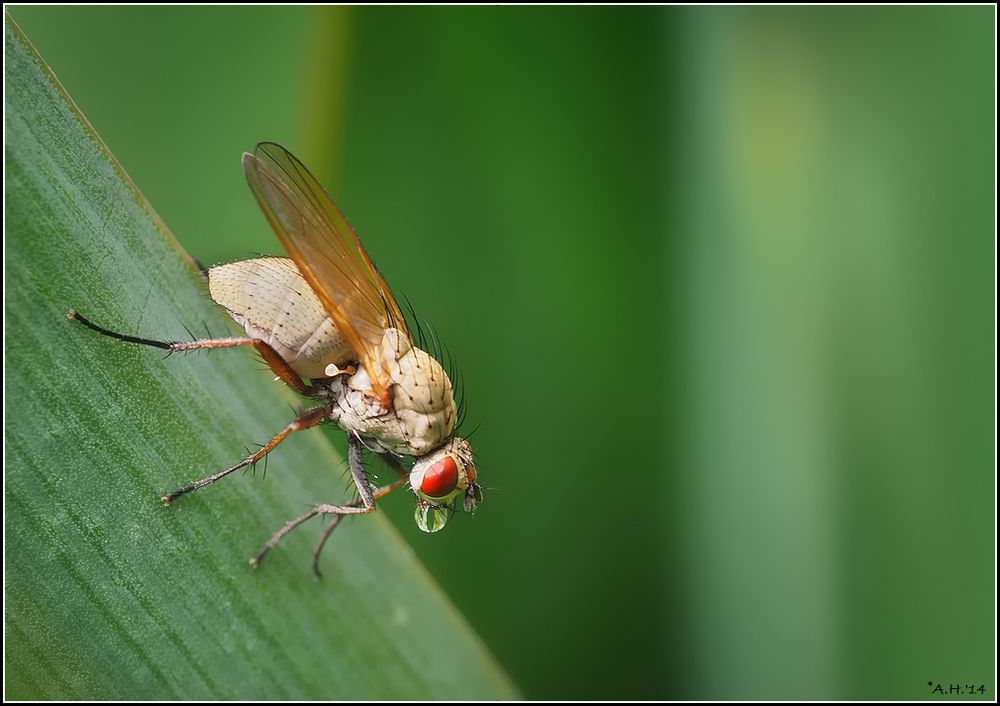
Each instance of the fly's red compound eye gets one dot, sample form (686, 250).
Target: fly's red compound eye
(440, 479)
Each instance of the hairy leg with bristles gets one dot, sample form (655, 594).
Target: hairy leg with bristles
(309, 419)
(364, 504)
(334, 521)
(404, 476)
(278, 364)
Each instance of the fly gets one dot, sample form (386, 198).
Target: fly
(327, 324)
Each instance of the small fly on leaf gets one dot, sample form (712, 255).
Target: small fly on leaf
(327, 324)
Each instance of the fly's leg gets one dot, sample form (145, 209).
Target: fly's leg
(334, 521)
(278, 364)
(404, 476)
(363, 505)
(308, 420)
(280, 534)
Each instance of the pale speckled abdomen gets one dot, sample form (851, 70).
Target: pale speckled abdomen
(271, 300)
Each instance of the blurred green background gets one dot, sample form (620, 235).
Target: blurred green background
(720, 281)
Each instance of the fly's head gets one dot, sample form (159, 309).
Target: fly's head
(442, 478)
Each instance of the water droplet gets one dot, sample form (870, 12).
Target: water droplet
(430, 518)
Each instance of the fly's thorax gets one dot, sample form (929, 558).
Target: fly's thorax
(421, 384)
(440, 477)
(422, 414)
(422, 396)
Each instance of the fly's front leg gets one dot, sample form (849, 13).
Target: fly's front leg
(404, 476)
(278, 364)
(356, 460)
(364, 504)
(334, 521)
(308, 420)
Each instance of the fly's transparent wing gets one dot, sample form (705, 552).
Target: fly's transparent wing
(329, 255)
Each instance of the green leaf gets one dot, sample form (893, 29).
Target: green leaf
(110, 595)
